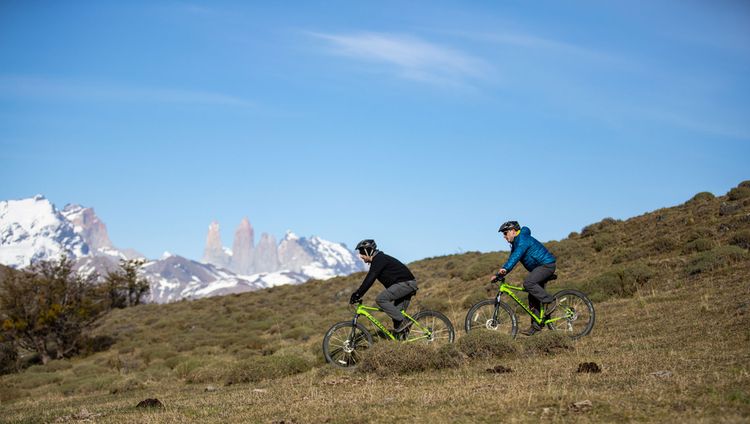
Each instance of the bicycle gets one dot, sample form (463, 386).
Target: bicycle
(574, 313)
(346, 340)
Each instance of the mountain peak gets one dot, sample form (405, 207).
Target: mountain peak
(290, 236)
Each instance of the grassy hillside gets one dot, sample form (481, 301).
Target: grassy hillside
(671, 289)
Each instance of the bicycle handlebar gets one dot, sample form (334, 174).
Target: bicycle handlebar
(498, 278)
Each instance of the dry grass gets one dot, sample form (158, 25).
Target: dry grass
(673, 347)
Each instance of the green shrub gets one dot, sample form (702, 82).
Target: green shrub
(88, 384)
(434, 303)
(124, 386)
(598, 227)
(741, 239)
(702, 197)
(8, 358)
(662, 245)
(52, 366)
(745, 184)
(627, 255)
(738, 193)
(475, 296)
(266, 367)
(401, 358)
(209, 372)
(697, 233)
(89, 345)
(484, 343)
(698, 245)
(188, 366)
(88, 369)
(546, 343)
(485, 266)
(716, 258)
(620, 282)
(602, 241)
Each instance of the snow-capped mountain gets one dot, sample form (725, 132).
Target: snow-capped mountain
(325, 259)
(33, 229)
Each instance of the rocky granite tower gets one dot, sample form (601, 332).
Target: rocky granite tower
(266, 256)
(214, 252)
(243, 249)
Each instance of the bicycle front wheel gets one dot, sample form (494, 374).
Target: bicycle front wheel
(574, 314)
(431, 327)
(344, 344)
(492, 315)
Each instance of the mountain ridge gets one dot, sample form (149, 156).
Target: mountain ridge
(34, 229)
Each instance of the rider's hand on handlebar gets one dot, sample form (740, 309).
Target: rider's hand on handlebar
(354, 299)
(499, 276)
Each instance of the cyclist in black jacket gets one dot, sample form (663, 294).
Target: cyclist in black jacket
(400, 284)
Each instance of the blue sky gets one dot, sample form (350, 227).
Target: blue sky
(424, 125)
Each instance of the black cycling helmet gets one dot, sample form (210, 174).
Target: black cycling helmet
(510, 225)
(367, 247)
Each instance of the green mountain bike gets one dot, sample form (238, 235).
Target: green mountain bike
(572, 313)
(345, 341)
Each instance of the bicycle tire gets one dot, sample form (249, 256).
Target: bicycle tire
(338, 349)
(440, 328)
(578, 313)
(480, 317)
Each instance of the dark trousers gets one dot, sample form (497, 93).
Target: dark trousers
(396, 298)
(534, 284)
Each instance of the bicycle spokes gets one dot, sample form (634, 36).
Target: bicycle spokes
(574, 314)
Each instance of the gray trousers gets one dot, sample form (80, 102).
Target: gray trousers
(534, 284)
(396, 298)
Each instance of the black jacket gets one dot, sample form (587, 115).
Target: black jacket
(386, 269)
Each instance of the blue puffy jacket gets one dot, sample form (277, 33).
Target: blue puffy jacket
(529, 251)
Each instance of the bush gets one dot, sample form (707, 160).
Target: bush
(661, 245)
(698, 245)
(602, 241)
(716, 258)
(475, 296)
(89, 345)
(211, 372)
(484, 343)
(123, 386)
(401, 358)
(547, 343)
(596, 228)
(485, 266)
(188, 366)
(697, 233)
(741, 239)
(701, 197)
(738, 193)
(622, 282)
(8, 358)
(266, 367)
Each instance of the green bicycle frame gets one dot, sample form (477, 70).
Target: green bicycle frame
(363, 310)
(510, 291)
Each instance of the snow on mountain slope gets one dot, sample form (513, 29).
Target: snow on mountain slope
(33, 229)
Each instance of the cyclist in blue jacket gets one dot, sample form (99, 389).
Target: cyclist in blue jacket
(537, 260)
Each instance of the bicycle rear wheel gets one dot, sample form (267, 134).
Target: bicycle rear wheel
(431, 327)
(344, 344)
(483, 316)
(575, 312)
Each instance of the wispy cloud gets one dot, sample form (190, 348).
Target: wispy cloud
(550, 46)
(409, 57)
(57, 89)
